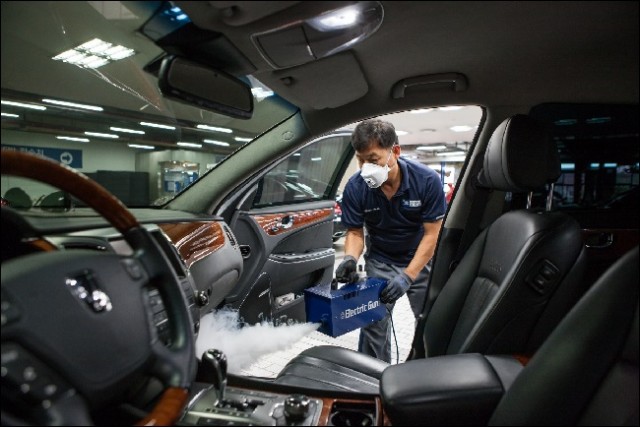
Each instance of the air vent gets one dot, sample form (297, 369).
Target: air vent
(85, 245)
(230, 236)
(245, 250)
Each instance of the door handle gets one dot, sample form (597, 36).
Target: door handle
(286, 222)
(599, 241)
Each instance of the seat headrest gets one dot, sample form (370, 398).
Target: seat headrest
(520, 157)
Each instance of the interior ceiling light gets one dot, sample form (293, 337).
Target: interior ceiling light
(402, 132)
(73, 104)
(240, 139)
(319, 36)
(10, 115)
(23, 105)
(94, 53)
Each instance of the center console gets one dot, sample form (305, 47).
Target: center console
(259, 403)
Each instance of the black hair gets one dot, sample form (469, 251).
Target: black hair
(373, 131)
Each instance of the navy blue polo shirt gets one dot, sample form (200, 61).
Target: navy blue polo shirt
(395, 227)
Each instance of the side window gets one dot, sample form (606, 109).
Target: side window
(310, 174)
(598, 147)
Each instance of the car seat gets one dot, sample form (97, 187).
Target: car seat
(516, 281)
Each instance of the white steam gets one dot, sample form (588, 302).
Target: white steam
(244, 345)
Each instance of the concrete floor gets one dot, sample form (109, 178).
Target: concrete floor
(269, 365)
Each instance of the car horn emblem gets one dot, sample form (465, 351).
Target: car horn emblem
(85, 287)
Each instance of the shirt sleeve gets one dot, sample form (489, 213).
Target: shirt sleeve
(352, 212)
(435, 204)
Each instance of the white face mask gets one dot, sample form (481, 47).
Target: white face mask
(375, 175)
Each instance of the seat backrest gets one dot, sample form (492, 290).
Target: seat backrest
(586, 372)
(523, 272)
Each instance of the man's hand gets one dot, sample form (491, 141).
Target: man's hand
(396, 287)
(346, 271)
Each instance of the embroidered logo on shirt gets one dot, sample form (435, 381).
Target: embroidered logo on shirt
(371, 210)
(412, 203)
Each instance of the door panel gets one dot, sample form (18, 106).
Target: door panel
(286, 231)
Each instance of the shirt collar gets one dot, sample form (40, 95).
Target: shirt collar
(404, 169)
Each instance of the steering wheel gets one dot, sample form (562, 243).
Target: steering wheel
(77, 325)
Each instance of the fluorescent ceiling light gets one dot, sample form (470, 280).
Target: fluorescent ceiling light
(189, 144)
(125, 130)
(421, 111)
(402, 132)
(462, 128)
(454, 159)
(316, 159)
(297, 155)
(157, 125)
(23, 105)
(214, 128)
(450, 153)
(431, 147)
(94, 53)
(145, 147)
(451, 108)
(102, 135)
(214, 142)
(73, 104)
(240, 139)
(73, 138)
(10, 115)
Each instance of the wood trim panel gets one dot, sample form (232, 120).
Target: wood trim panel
(195, 240)
(271, 223)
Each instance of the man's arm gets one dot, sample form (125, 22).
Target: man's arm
(425, 249)
(354, 242)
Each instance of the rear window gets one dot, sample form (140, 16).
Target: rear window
(598, 147)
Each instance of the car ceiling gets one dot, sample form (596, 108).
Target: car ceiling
(512, 54)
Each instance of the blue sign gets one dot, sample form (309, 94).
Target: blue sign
(69, 157)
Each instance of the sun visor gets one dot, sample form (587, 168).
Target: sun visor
(327, 83)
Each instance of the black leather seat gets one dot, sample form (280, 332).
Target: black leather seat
(586, 372)
(516, 281)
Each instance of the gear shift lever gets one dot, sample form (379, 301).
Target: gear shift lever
(214, 366)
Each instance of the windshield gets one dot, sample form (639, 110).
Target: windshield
(79, 86)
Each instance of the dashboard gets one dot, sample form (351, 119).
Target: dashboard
(203, 253)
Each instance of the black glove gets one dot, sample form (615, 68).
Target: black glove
(346, 271)
(396, 287)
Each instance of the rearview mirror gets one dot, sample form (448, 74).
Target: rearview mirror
(198, 84)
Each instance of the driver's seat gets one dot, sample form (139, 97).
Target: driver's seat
(518, 278)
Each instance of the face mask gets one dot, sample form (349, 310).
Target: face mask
(375, 175)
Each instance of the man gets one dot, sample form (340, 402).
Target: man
(401, 204)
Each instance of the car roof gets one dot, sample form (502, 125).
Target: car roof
(510, 54)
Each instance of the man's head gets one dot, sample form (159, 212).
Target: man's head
(376, 132)
(377, 151)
